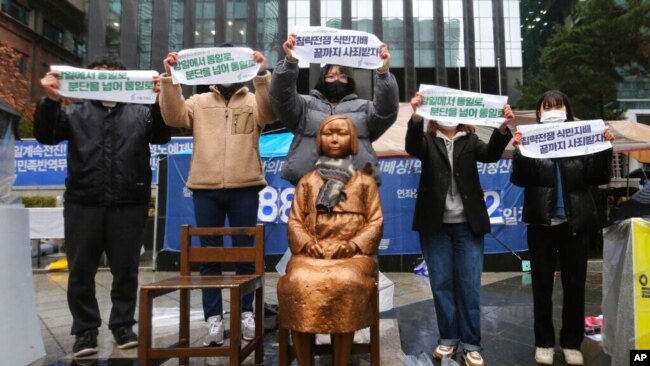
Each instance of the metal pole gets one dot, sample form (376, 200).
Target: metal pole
(479, 75)
(499, 73)
(459, 79)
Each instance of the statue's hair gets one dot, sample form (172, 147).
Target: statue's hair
(354, 140)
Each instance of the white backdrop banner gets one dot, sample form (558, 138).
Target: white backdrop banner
(214, 65)
(124, 86)
(323, 45)
(559, 140)
(459, 106)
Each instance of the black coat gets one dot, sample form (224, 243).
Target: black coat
(435, 177)
(578, 174)
(108, 149)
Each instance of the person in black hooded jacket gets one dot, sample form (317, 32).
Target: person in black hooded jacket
(107, 194)
(561, 215)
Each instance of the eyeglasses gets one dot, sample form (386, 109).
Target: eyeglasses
(333, 77)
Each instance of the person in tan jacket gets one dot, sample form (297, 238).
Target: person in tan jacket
(225, 171)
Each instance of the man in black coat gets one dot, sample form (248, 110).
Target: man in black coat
(107, 194)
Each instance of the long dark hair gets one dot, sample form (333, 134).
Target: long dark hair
(554, 98)
(320, 85)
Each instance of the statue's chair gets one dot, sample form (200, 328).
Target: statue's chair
(287, 354)
(239, 285)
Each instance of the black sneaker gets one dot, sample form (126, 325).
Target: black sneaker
(85, 343)
(125, 338)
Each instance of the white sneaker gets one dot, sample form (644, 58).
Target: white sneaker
(473, 358)
(544, 356)
(572, 356)
(215, 331)
(247, 326)
(444, 351)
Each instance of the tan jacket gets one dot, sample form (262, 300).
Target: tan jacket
(226, 135)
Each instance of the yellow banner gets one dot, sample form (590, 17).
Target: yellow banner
(640, 233)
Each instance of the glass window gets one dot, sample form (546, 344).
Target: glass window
(423, 31)
(176, 15)
(298, 14)
(483, 33)
(362, 15)
(393, 27)
(113, 27)
(330, 13)
(236, 22)
(79, 48)
(144, 34)
(16, 11)
(53, 33)
(204, 31)
(512, 24)
(268, 38)
(452, 9)
(454, 49)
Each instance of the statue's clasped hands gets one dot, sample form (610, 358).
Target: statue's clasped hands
(344, 250)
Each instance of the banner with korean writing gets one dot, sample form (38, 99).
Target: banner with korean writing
(398, 191)
(46, 165)
(323, 45)
(214, 65)
(459, 106)
(124, 86)
(557, 140)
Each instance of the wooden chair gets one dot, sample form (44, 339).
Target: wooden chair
(287, 355)
(239, 285)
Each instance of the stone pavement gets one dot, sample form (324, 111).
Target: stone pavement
(410, 327)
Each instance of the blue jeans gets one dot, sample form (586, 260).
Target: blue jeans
(211, 207)
(454, 258)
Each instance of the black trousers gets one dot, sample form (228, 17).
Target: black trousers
(89, 232)
(546, 245)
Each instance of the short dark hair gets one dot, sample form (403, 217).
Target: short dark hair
(554, 98)
(320, 85)
(109, 61)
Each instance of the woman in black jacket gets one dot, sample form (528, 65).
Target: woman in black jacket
(561, 214)
(451, 218)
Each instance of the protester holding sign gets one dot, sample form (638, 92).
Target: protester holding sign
(108, 187)
(451, 218)
(226, 170)
(561, 215)
(334, 94)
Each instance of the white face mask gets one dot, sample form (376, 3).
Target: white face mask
(553, 116)
(109, 104)
(447, 125)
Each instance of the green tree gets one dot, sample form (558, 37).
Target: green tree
(588, 55)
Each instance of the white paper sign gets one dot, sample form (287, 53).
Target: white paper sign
(559, 140)
(459, 106)
(132, 86)
(323, 45)
(214, 65)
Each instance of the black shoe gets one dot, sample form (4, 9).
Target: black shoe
(85, 343)
(125, 338)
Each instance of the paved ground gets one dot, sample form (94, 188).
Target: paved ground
(507, 325)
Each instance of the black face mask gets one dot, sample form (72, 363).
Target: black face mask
(335, 90)
(230, 90)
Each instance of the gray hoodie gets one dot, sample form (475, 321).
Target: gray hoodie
(302, 114)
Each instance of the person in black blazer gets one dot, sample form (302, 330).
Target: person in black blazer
(451, 218)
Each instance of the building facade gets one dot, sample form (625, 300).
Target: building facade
(45, 33)
(467, 44)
